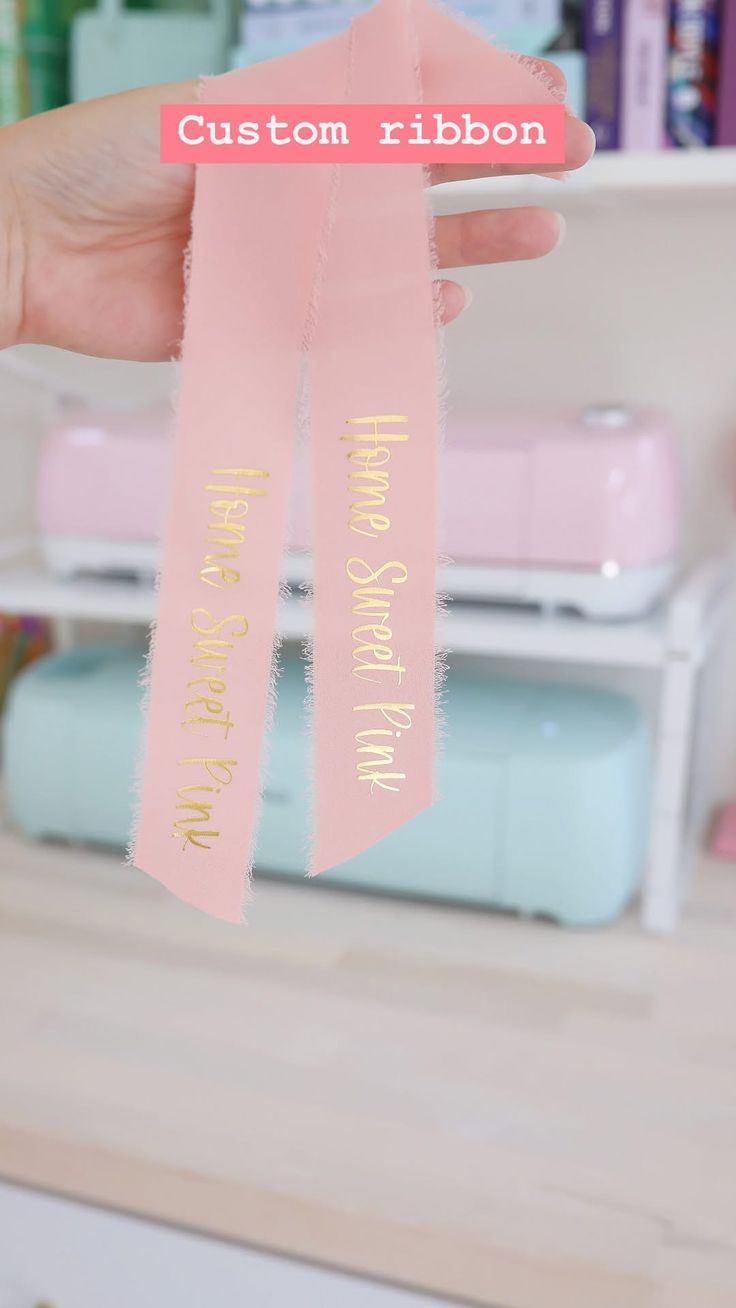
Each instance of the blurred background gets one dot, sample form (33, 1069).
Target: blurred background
(491, 1061)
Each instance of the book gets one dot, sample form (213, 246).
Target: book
(644, 74)
(272, 30)
(566, 50)
(603, 37)
(726, 97)
(571, 64)
(13, 69)
(44, 45)
(693, 72)
(278, 26)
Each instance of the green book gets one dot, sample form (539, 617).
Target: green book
(14, 94)
(45, 44)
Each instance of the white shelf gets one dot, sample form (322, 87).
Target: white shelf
(685, 623)
(695, 175)
(673, 645)
(26, 587)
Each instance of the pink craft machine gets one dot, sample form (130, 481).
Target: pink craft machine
(575, 511)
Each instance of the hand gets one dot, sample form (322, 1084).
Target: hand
(93, 227)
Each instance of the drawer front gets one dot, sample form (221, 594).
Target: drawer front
(56, 1254)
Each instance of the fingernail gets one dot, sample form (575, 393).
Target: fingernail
(561, 229)
(468, 296)
(591, 134)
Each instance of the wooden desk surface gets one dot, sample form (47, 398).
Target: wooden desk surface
(493, 1110)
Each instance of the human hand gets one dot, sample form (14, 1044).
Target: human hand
(93, 228)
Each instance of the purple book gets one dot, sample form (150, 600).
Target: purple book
(603, 35)
(644, 75)
(726, 119)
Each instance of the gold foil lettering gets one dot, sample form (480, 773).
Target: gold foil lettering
(228, 492)
(374, 593)
(374, 601)
(363, 480)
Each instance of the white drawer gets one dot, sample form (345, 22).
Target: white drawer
(65, 1255)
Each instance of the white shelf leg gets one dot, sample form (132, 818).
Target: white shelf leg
(664, 875)
(64, 630)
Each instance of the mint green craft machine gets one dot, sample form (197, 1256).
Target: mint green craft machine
(116, 48)
(544, 788)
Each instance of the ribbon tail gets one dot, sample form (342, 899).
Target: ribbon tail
(375, 420)
(256, 233)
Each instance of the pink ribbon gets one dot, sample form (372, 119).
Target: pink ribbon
(335, 261)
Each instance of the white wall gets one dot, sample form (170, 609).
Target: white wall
(637, 306)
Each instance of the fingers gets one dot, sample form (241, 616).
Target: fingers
(453, 298)
(553, 76)
(490, 236)
(579, 147)
(496, 236)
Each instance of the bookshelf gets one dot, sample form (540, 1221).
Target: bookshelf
(674, 645)
(689, 619)
(694, 176)
(636, 307)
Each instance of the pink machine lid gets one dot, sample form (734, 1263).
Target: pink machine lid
(575, 488)
(578, 489)
(559, 489)
(473, 426)
(105, 473)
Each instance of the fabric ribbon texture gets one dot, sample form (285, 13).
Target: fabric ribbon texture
(329, 265)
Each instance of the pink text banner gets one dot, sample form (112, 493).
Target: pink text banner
(363, 133)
